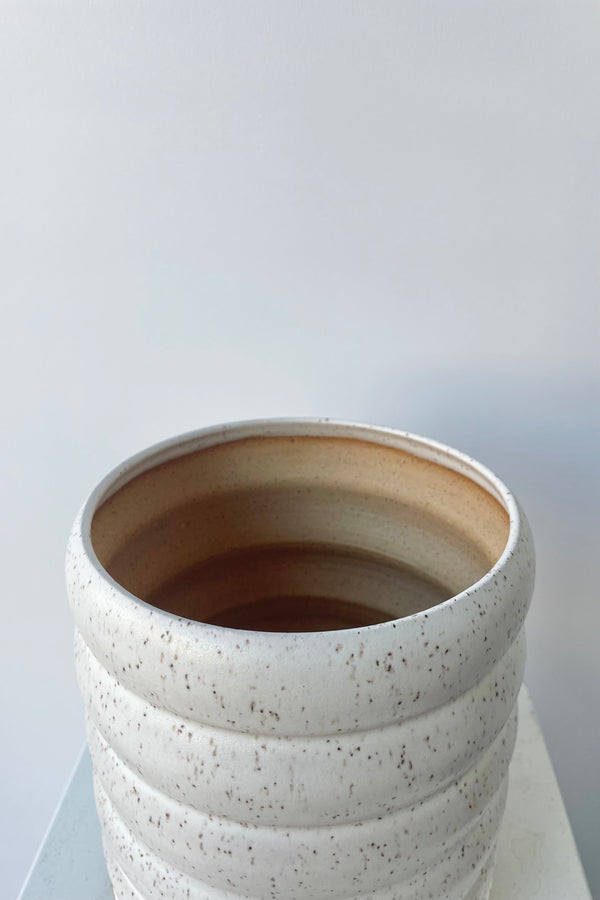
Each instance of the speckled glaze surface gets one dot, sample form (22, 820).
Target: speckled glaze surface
(365, 762)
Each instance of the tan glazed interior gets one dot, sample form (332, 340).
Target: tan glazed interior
(298, 534)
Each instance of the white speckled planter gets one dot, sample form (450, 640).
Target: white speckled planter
(363, 762)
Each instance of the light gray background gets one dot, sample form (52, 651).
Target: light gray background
(380, 211)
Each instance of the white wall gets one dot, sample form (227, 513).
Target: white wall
(379, 211)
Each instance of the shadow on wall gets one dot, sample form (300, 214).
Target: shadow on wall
(540, 434)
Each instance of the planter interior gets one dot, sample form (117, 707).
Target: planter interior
(299, 533)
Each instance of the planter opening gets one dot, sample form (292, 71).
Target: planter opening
(299, 533)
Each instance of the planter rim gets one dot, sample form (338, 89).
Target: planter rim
(192, 441)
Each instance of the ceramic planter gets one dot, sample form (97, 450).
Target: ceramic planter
(364, 757)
